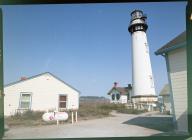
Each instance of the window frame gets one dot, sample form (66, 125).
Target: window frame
(62, 101)
(30, 100)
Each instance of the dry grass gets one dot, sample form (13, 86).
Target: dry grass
(28, 118)
(87, 111)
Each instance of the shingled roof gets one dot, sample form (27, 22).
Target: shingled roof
(121, 90)
(177, 42)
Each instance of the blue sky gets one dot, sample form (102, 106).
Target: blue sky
(87, 45)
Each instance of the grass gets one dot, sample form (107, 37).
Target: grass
(87, 111)
(94, 110)
(28, 118)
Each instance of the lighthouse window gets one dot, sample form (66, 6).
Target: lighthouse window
(151, 80)
(147, 48)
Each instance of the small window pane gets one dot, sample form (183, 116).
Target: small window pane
(62, 98)
(25, 97)
(62, 104)
(25, 105)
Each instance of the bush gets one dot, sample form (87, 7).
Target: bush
(27, 118)
(131, 111)
(28, 115)
(92, 110)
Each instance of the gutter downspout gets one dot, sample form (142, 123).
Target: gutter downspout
(171, 92)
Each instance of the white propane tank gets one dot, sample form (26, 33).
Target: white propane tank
(54, 116)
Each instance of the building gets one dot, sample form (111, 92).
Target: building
(120, 95)
(40, 93)
(166, 99)
(174, 53)
(144, 95)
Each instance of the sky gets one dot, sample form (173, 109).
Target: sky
(86, 45)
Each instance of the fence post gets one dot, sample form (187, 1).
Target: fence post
(72, 116)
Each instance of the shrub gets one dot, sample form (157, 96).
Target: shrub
(28, 115)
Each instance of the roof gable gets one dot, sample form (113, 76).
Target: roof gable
(121, 90)
(177, 42)
(165, 91)
(32, 77)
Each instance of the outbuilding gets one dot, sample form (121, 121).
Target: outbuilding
(166, 100)
(174, 53)
(40, 93)
(120, 95)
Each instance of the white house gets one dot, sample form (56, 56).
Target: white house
(40, 93)
(120, 94)
(176, 60)
(166, 99)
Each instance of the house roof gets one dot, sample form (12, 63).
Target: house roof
(32, 77)
(165, 91)
(121, 90)
(178, 42)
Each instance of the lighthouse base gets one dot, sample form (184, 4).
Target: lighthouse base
(144, 102)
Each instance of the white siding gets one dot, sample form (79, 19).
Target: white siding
(45, 91)
(123, 99)
(167, 103)
(178, 74)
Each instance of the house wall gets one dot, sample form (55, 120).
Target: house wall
(167, 103)
(122, 100)
(178, 77)
(45, 91)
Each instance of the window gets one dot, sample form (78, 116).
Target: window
(117, 96)
(151, 80)
(147, 48)
(62, 101)
(25, 101)
(113, 96)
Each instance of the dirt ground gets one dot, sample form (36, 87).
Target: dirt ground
(120, 125)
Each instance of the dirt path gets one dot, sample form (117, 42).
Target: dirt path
(121, 125)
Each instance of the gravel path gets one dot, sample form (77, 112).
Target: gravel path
(118, 126)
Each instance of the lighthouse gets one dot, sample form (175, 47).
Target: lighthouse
(143, 88)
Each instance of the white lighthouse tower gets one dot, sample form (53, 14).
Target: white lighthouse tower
(143, 89)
